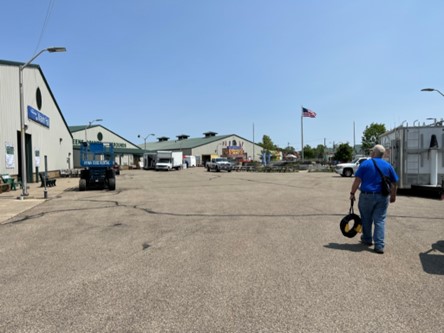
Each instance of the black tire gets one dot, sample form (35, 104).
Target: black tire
(82, 184)
(110, 173)
(208, 169)
(111, 184)
(348, 172)
(348, 231)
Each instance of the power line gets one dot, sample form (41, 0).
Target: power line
(45, 23)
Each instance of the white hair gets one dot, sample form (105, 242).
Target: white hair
(379, 150)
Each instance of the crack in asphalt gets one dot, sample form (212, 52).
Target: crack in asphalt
(115, 203)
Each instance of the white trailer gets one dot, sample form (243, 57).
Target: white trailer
(417, 154)
(168, 160)
(190, 161)
(149, 160)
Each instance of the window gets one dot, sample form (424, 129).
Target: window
(38, 98)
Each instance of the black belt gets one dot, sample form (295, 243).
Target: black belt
(370, 192)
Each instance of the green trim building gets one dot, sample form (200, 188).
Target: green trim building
(210, 145)
(130, 155)
(126, 153)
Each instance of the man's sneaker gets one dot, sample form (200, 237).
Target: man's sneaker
(379, 251)
(366, 243)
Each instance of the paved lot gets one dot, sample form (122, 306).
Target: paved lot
(192, 251)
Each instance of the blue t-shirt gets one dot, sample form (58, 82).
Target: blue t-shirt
(370, 178)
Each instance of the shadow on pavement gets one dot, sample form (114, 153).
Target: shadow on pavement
(432, 261)
(347, 247)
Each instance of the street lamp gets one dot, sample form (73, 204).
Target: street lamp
(89, 125)
(144, 139)
(22, 116)
(431, 89)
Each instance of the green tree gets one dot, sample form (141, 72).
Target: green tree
(371, 135)
(288, 150)
(319, 152)
(267, 144)
(309, 152)
(344, 153)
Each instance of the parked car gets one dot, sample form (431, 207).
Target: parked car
(218, 164)
(349, 169)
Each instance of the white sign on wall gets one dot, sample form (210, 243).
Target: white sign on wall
(37, 157)
(10, 158)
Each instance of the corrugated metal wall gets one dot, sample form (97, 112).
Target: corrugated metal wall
(217, 146)
(55, 142)
(100, 133)
(410, 153)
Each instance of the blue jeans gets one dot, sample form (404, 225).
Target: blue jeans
(373, 210)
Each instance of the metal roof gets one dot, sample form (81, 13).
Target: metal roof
(78, 128)
(189, 143)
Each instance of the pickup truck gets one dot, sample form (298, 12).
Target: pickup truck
(349, 169)
(218, 164)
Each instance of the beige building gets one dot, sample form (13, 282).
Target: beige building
(126, 153)
(209, 145)
(47, 134)
(49, 138)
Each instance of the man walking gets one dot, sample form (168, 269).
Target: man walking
(372, 203)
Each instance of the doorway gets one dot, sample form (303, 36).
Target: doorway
(28, 153)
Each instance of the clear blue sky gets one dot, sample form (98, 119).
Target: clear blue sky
(186, 67)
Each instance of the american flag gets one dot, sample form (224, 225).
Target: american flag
(308, 113)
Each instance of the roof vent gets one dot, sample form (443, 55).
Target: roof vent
(210, 134)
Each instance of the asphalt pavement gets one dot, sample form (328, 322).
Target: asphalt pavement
(198, 251)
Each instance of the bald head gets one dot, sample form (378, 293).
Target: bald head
(378, 151)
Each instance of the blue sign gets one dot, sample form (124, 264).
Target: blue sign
(37, 116)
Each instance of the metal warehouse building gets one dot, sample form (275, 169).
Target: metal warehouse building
(204, 148)
(46, 131)
(125, 153)
(47, 136)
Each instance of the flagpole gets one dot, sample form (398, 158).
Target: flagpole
(302, 136)
(253, 144)
(305, 113)
(354, 140)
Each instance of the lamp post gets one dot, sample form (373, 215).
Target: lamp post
(144, 139)
(22, 117)
(89, 125)
(432, 89)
